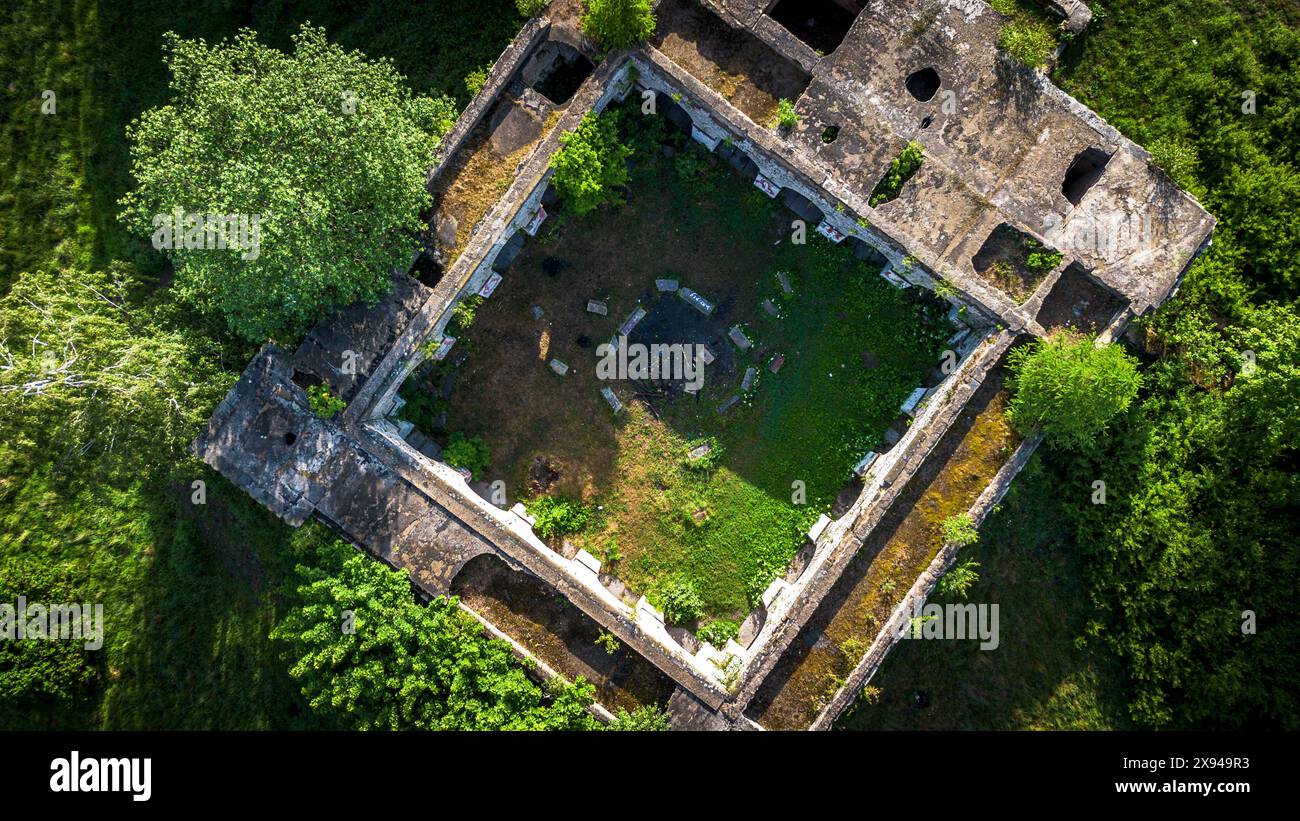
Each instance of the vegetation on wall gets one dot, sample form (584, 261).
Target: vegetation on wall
(615, 24)
(591, 165)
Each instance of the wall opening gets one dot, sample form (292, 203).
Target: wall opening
(561, 81)
(923, 84)
(1083, 173)
(821, 24)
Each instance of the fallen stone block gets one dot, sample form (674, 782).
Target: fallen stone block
(630, 323)
(784, 278)
(864, 463)
(538, 312)
(748, 381)
(777, 362)
(819, 527)
(726, 406)
(696, 301)
(699, 452)
(490, 286)
(612, 399)
(830, 232)
(559, 367)
(770, 307)
(595, 306)
(738, 337)
(913, 399)
(667, 286)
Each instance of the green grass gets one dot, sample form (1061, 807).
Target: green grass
(1030, 35)
(1041, 676)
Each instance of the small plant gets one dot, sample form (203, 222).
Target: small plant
(530, 8)
(462, 315)
(900, 171)
(1040, 262)
(718, 633)
(612, 555)
(959, 579)
(557, 516)
(323, 402)
(468, 452)
(888, 585)
(853, 649)
(615, 24)
(959, 530)
(650, 718)
(944, 289)
(608, 642)
(870, 694)
(786, 116)
(680, 602)
(476, 79)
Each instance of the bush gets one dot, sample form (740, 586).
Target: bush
(591, 164)
(614, 24)
(960, 531)
(718, 633)
(1069, 388)
(557, 516)
(681, 602)
(786, 117)
(530, 8)
(469, 452)
(462, 315)
(642, 719)
(323, 402)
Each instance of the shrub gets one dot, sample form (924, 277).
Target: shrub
(608, 642)
(642, 719)
(680, 602)
(786, 117)
(959, 579)
(1028, 42)
(1069, 388)
(900, 171)
(557, 516)
(462, 315)
(591, 164)
(1040, 262)
(476, 79)
(614, 24)
(718, 632)
(960, 530)
(469, 452)
(323, 402)
(530, 8)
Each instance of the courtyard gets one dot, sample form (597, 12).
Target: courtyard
(810, 355)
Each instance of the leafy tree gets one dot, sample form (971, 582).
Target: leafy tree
(718, 632)
(615, 24)
(469, 452)
(371, 657)
(321, 153)
(1069, 388)
(591, 164)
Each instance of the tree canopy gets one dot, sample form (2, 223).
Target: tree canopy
(317, 158)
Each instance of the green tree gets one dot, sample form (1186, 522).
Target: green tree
(369, 656)
(469, 452)
(321, 153)
(1069, 388)
(615, 24)
(591, 164)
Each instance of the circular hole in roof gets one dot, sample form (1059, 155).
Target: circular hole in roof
(290, 438)
(923, 84)
(831, 132)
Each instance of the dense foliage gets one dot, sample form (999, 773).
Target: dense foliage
(614, 24)
(1069, 388)
(319, 157)
(1198, 526)
(370, 656)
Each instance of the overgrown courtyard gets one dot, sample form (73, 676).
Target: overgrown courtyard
(832, 359)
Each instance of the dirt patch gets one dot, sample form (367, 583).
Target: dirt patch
(902, 545)
(1014, 261)
(1079, 302)
(543, 620)
(737, 65)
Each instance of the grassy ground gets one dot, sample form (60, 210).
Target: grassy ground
(190, 592)
(854, 348)
(1039, 677)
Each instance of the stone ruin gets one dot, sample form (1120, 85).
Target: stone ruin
(1002, 147)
